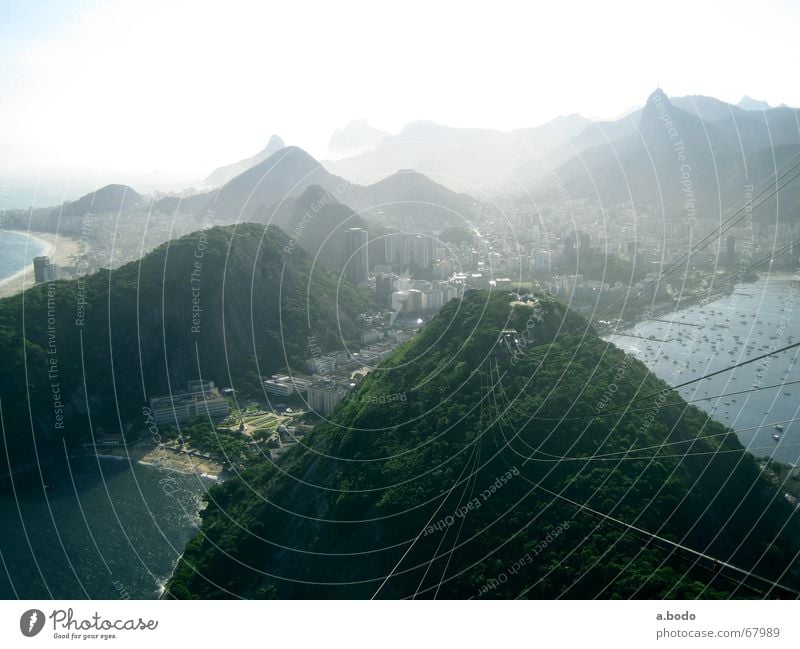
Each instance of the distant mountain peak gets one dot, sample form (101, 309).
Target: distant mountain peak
(290, 155)
(275, 143)
(223, 174)
(748, 103)
(657, 109)
(657, 96)
(110, 198)
(355, 137)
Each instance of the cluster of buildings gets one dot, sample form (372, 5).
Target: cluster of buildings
(331, 376)
(320, 394)
(201, 398)
(562, 249)
(574, 288)
(412, 250)
(403, 294)
(405, 253)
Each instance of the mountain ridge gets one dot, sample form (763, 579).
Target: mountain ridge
(223, 174)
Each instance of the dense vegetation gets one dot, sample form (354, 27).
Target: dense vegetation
(224, 445)
(229, 304)
(479, 464)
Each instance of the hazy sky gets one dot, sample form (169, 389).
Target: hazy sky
(122, 88)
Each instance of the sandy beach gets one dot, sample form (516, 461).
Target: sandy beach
(165, 458)
(61, 250)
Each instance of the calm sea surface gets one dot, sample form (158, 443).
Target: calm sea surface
(754, 320)
(16, 252)
(106, 528)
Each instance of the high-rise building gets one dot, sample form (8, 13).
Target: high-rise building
(384, 285)
(393, 244)
(584, 242)
(432, 299)
(322, 397)
(40, 265)
(569, 247)
(422, 252)
(44, 271)
(414, 301)
(397, 249)
(357, 269)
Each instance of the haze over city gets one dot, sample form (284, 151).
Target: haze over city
(182, 87)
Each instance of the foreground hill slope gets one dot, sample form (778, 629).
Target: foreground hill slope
(479, 463)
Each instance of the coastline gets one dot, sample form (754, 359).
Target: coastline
(146, 454)
(59, 247)
(665, 308)
(163, 457)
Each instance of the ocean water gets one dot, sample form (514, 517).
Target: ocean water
(756, 319)
(107, 528)
(16, 252)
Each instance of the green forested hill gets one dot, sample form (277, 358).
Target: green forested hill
(226, 304)
(474, 464)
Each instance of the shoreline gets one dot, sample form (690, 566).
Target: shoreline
(60, 248)
(165, 458)
(162, 457)
(663, 308)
